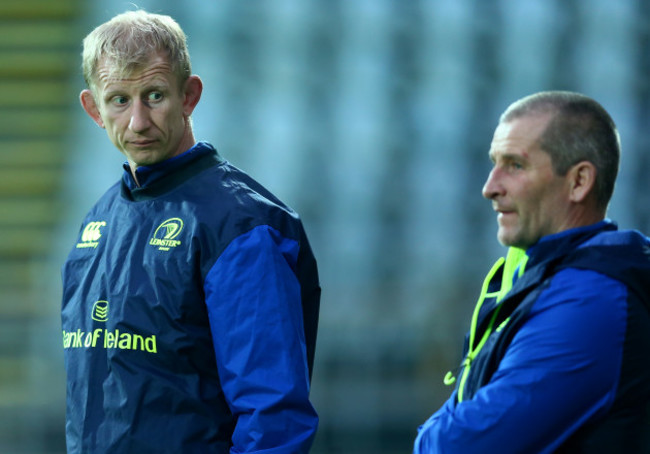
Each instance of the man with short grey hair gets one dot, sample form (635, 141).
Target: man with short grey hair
(556, 356)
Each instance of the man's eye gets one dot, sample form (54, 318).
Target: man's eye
(155, 96)
(119, 100)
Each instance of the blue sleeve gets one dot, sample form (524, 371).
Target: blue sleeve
(254, 306)
(560, 371)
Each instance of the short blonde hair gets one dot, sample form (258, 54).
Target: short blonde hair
(128, 41)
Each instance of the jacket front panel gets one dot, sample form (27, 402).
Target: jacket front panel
(621, 256)
(562, 368)
(139, 345)
(126, 303)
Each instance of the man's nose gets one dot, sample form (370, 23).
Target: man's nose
(492, 186)
(140, 119)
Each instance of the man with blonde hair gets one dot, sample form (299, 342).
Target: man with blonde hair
(191, 295)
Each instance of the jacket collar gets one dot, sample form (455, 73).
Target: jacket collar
(161, 177)
(557, 244)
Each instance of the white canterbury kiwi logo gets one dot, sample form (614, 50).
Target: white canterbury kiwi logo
(91, 234)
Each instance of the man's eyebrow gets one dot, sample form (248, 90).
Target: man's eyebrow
(506, 156)
(111, 92)
(159, 86)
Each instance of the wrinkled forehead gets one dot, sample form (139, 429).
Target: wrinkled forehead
(519, 135)
(108, 69)
(527, 128)
(119, 69)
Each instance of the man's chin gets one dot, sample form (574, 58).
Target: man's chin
(145, 157)
(511, 239)
(506, 238)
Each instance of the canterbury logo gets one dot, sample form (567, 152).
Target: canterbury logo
(165, 234)
(100, 311)
(91, 234)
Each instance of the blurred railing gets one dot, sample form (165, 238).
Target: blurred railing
(38, 53)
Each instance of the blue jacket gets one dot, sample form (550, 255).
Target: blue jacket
(559, 363)
(190, 311)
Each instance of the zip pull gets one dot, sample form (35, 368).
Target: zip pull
(515, 262)
(449, 379)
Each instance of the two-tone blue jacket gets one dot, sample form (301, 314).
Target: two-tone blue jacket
(558, 360)
(190, 311)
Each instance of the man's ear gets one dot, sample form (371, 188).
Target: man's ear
(191, 94)
(582, 179)
(90, 106)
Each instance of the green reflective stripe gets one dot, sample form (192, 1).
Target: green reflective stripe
(472, 351)
(482, 296)
(502, 325)
(516, 258)
(515, 261)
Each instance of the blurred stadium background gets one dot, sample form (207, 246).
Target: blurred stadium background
(372, 118)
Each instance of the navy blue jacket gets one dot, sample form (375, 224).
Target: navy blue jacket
(190, 311)
(564, 364)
